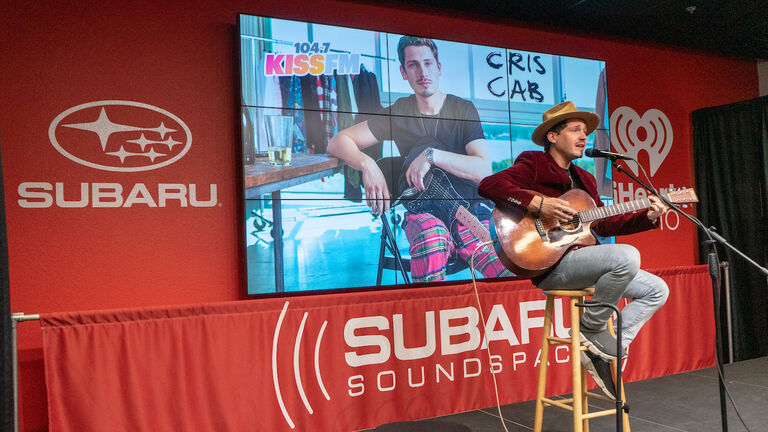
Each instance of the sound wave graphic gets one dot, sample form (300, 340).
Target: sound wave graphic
(296, 361)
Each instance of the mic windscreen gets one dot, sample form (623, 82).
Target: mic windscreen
(592, 152)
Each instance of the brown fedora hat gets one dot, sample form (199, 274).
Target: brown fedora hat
(563, 111)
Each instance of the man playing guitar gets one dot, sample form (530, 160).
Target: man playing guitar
(533, 184)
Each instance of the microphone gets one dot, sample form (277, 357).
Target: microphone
(595, 153)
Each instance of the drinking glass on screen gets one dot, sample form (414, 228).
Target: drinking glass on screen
(280, 138)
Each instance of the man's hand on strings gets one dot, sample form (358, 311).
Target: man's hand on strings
(417, 170)
(554, 207)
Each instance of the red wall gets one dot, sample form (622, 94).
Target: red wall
(181, 57)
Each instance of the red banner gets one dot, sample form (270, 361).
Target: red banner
(334, 362)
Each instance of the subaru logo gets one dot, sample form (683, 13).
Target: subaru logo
(122, 136)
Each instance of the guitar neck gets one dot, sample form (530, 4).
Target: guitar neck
(473, 224)
(597, 213)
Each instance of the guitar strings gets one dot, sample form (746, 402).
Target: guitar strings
(576, 220)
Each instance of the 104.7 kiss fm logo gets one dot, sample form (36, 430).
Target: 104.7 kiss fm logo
(118, 136)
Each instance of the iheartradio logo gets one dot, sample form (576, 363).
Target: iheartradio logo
(122, 136)
(626, 126)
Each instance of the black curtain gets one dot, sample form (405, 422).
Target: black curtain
(730, 147)
(6, 381)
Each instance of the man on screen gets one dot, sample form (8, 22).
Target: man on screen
(533, 184)
(430, 129)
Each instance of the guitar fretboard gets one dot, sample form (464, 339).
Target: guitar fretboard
(597, 213)
(473, 224)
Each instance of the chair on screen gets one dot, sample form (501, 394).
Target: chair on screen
(390, 167)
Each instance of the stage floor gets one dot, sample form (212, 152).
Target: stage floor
(687, 402)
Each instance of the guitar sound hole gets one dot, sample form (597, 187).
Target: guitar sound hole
(569, 226)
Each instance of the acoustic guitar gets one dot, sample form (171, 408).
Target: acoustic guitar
(528, 246)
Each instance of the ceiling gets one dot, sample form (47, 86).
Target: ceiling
(729, 27)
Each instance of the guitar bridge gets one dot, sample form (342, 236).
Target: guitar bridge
(540, 229)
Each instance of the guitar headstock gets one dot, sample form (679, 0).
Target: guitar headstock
(681, 196)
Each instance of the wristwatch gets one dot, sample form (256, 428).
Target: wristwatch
(429, 153)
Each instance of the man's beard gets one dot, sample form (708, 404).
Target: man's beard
(428, 92)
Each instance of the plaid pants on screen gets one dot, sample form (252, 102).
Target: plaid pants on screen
(431, 246)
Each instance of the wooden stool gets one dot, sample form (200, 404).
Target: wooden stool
(577, 404)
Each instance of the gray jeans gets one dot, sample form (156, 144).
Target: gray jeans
(614, 270)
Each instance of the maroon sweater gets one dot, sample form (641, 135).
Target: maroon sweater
(538, 171)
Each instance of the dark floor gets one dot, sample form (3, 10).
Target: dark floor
(684, 402)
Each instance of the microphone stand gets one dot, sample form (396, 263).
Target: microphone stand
(620, 405)
(714, 274)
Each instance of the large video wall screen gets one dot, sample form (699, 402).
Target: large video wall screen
(308, 225)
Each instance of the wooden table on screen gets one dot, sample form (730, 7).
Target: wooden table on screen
(262, 178)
